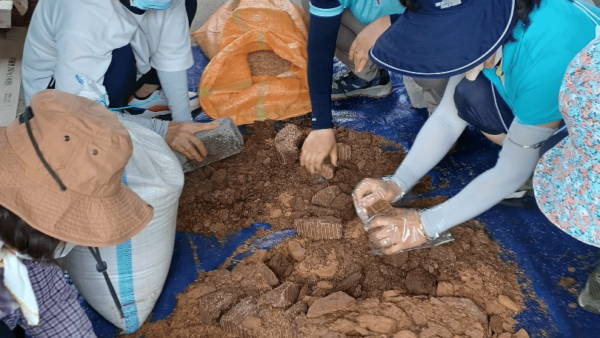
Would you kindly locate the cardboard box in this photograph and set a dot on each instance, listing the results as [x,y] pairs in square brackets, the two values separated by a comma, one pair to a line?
[11,53]
[6,7]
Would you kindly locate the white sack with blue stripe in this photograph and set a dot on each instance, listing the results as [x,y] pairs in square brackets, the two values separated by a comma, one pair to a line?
[138,267]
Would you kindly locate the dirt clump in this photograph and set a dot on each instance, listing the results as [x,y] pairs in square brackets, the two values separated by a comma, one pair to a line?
[266,62]
[254,186]
[338,289]
[327,283]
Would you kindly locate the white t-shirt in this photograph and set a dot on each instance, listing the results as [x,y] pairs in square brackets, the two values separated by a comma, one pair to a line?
[70,37]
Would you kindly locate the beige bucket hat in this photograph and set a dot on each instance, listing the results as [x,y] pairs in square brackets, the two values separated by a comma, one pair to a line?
[61,164]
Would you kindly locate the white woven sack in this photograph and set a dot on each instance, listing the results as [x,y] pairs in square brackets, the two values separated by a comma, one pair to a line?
[138,267]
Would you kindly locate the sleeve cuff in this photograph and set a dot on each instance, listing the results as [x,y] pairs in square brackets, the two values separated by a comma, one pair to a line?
[326,12]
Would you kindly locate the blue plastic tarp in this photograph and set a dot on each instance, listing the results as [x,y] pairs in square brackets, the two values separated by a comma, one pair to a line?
[541,251]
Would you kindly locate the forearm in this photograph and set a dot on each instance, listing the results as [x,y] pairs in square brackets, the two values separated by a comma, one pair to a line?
[322,36]
[174,85]
[516,163]
[433,141]
[158,126]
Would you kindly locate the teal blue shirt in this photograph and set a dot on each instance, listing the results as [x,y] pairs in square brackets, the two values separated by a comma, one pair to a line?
[535,63]
[366,11]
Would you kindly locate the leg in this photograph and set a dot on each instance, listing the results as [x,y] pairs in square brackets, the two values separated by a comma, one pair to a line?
[120,78]
[433,90]
[370,81]
[349,30]
[60,312]
[479,103]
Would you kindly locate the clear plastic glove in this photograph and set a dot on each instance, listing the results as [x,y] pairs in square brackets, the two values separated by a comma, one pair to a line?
[365,40]
[318,145]
[180,138]
[400,231]
[371,190]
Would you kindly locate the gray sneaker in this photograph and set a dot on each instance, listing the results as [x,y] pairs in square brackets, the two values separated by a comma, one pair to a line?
[349,85]
[589,298]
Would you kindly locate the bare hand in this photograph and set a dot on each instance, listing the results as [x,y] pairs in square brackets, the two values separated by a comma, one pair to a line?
[359,51]
[180,138]
[397,232]
[317,146]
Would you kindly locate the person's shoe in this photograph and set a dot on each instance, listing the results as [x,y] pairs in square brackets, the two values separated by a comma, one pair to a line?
[589,298]
[350,85]
[156,104]
[525,190]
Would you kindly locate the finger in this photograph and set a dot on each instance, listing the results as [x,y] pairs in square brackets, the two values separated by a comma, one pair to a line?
[186,154]
[353,49]
[381,222]
[372,198]
[358,61]
[199,146]
[310,163]
[380,239]
[314,164]
[303,155]
[378,234]
[362,62]
[394,249]
[363,188]
[194,153]
[333,155]
[318,162]
[205,126]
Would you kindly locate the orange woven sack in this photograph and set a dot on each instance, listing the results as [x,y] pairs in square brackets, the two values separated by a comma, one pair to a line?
[227,87]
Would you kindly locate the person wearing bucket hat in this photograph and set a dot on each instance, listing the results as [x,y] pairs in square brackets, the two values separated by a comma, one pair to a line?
[128,48]
[566,181]
[348,29]
[60,186]
[538,38]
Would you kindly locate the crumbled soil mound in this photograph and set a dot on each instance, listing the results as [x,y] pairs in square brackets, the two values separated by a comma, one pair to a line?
[254,186]
[335,288]
[325,282]
[266,62]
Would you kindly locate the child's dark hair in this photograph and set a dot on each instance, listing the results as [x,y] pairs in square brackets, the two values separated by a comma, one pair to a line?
[19,236]
[524,8]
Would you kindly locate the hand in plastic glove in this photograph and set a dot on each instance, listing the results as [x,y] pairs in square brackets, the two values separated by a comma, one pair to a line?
[359,51]
[371,190]
[397,232]
[180,138]
[315,149]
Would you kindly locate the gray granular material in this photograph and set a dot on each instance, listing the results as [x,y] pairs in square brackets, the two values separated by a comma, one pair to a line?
[220,143]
